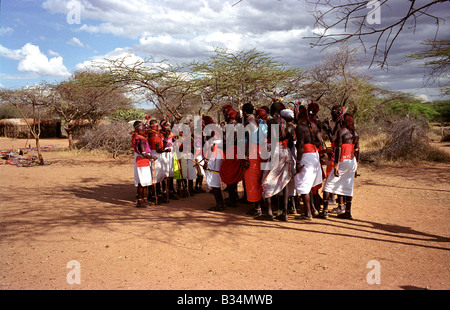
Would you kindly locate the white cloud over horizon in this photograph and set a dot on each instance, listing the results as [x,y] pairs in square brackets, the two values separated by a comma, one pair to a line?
[75,41]
[31,59]
[183,31]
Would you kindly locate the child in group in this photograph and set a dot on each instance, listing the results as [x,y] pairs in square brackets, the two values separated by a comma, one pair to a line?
[142,169]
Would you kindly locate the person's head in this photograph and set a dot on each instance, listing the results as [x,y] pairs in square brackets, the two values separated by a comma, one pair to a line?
[287,114]
[261,113]
[336,112]
[154,124]
[165,125]
[247,108]
[276,108]
[139,127]
[230,114]
[301,112]
[136,123]
[313,108]
[225,108]
[208,120]
[349,122]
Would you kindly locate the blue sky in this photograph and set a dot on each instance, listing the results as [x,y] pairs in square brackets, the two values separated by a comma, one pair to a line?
[43,41]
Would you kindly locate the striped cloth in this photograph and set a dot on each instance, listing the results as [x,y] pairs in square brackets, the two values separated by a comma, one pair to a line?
[283,171]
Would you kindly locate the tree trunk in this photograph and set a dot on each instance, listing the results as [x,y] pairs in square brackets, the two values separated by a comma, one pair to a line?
[70,137]
[39,154]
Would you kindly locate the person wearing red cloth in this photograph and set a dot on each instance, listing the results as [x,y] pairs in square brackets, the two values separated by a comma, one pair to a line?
[142,160]
[253,172]
[337,118]
[168,141]
[313,110]
[341,179]
[232,169]
[308,170]
[158,147]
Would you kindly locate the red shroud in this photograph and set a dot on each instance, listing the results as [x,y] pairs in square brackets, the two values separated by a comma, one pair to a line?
[232,170]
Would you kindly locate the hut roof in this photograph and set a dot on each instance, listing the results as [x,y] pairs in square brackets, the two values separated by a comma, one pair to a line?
[24,122]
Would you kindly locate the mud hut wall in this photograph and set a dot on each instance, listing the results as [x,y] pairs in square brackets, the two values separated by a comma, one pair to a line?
[18,129]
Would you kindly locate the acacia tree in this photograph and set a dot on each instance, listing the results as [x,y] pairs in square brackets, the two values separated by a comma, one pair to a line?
[437,56]
[88,96]
[336,80]
[31,102]
[165,85]
[244,76]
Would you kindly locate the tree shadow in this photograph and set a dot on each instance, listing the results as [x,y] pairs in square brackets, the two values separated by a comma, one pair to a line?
[413,288]
[102,206]
[438,174]
[372,183]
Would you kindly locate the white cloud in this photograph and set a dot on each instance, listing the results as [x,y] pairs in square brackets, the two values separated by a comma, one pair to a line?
[10,54]
[182,30]
[5,30]
[32,60]
[75,41]
[118,53]
[53,53]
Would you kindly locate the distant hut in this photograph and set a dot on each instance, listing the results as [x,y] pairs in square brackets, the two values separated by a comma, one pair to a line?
[17,128]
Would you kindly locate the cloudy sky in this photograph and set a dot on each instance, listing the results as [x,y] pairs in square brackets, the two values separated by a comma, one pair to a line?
[49,40]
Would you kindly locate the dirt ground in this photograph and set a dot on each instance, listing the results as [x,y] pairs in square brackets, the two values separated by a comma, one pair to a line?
[83,209]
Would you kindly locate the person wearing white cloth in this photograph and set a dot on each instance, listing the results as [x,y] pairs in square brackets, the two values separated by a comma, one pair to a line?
[289,116]
[308,170]
[213,162]
[158,151]
[142,162]
[341,179]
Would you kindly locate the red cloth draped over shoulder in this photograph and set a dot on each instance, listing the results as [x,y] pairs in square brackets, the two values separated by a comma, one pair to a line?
[232,169]
[155,140]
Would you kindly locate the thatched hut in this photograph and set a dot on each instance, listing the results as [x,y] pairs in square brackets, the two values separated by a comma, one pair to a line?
[17,128]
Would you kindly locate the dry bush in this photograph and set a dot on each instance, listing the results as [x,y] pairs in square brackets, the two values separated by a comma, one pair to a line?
[403,141]
[113,138]
[408,141]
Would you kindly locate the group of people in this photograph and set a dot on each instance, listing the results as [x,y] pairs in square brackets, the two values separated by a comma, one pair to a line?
[283,160]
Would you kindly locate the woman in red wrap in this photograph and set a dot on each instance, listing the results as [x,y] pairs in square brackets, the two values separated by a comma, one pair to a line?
[232,169]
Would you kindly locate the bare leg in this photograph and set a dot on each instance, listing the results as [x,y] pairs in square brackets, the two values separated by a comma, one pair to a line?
[324,213]
[141,192]
[283,216]
[348,206]
[269,215]
[306,201]
[219,200]
[256,210]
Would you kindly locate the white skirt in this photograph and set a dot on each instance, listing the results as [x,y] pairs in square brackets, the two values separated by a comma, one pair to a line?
[188,166]
[310,175]
[160,166]
[168,164]
[142,175]
[342,185]
[212,176]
